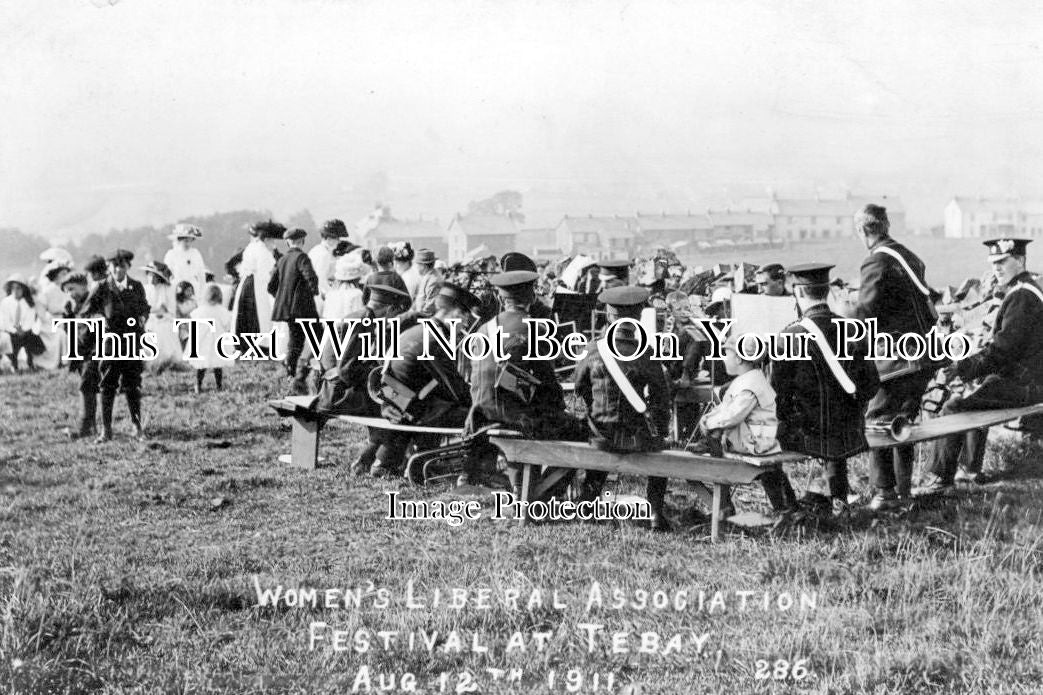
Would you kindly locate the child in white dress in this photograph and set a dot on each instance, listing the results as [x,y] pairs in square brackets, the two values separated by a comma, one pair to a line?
[212,308]
[745,421]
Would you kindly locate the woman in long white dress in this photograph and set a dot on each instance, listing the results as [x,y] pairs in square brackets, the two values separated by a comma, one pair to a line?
[51,302]
[252,308]
[184,259]
[163,304]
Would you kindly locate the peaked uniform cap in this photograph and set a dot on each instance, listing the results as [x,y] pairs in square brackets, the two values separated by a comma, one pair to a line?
[773,270]
[1002,248]
[810,273]
[425,256]
[513,260]
[459,296]
[625,296]
[514,278]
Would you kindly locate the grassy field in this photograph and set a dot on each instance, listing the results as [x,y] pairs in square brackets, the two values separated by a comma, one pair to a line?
[131,567]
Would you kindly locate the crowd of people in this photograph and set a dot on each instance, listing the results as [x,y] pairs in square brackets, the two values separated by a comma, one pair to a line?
[816,407]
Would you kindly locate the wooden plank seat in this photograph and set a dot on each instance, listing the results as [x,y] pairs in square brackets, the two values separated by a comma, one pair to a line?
[545,463]
[308,424]
[567,456]
[956,423]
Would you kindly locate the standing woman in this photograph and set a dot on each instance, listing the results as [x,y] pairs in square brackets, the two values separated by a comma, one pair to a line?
[51,302]
[161,297]
[184,259]
[252,308]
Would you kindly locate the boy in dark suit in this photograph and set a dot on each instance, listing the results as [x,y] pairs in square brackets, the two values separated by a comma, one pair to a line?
[120,300]
[622,418]
[821,402]
[294,285]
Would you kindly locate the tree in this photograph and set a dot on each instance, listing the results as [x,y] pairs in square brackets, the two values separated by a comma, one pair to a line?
[503,204]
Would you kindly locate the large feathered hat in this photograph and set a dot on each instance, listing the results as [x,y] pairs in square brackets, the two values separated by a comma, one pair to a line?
[268,229]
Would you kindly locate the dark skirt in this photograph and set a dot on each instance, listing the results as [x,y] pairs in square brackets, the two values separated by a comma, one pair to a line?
[246,318]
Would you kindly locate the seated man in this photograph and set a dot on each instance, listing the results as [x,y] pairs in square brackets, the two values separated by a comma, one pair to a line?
[523,394]
[771,280]
[821,402]
[425,392]
[344,386]
[1010,368]
[621,417]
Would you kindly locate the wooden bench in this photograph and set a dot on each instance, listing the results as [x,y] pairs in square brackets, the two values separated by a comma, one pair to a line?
[558,458]
[308,423]
[721,473]
[957,423]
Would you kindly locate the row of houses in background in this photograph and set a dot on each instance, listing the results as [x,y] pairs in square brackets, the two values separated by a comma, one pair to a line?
[755,222]
[979,217]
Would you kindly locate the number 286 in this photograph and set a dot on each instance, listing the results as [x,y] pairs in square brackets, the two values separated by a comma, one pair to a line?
[780,670]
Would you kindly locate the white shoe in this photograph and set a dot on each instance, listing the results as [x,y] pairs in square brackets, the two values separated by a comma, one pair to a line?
[885,501]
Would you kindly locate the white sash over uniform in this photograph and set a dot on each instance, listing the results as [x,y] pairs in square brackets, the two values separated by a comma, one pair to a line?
[831,358]
[616,372]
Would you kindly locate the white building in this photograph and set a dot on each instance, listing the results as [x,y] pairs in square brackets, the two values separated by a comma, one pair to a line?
[982,218]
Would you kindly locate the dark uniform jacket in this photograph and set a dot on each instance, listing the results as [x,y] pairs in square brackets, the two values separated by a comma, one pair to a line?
[447,403]
[546,409]
[816,416]
[1016,348]
[117,306]
[344,388]
[887,294]
[611,417]
[294,285]
[388,278]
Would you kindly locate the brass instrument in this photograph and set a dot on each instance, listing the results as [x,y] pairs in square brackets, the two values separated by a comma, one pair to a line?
[898,428]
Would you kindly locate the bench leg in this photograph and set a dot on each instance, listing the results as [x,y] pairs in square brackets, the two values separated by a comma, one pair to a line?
[526,492]
[304,442]
[715,512]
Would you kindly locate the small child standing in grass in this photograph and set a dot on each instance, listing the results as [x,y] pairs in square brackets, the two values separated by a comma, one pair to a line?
[214,310]
[745,422]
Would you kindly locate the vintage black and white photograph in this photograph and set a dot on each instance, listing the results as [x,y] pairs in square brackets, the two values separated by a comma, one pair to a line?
[513,346]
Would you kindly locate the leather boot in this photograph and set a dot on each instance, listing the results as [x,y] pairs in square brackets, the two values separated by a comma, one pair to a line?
[366,458]
[134,405]
[88,424]
[108,399]
[655,491]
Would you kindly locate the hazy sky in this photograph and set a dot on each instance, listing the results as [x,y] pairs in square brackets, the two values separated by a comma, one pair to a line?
[147,110]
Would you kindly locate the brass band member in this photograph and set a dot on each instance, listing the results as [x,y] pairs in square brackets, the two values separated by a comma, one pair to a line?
[821,402]
[893,291]
[621,417]
[1010,368]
